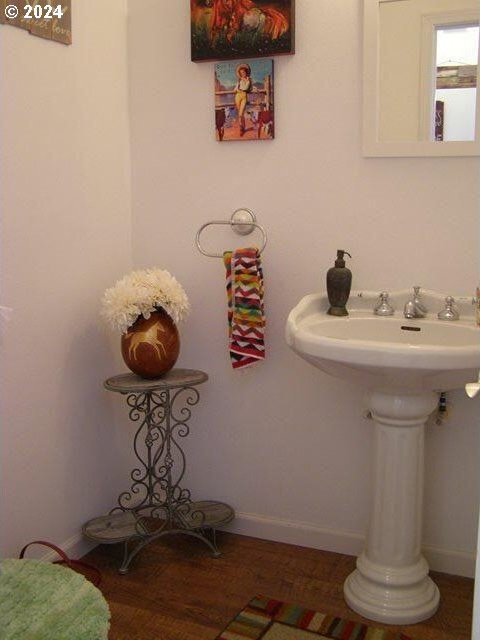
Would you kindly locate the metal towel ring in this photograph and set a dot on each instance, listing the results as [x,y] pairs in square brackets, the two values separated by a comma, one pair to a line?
[243,222]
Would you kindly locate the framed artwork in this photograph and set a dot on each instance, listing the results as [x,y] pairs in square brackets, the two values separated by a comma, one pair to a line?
[244,105]
[227,29]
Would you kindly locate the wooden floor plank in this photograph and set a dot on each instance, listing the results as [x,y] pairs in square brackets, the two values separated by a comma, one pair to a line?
[176,591]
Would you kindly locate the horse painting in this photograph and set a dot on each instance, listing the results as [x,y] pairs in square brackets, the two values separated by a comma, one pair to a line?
[223,29]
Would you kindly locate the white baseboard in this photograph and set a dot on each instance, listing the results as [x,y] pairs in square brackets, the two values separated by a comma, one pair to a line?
[458,563]
[306,534]
[75,547]
[303,534]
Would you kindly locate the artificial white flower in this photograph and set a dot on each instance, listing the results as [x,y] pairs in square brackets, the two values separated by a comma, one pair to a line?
[139,294]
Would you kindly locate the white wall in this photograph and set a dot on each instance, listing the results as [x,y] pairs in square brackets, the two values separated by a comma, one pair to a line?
[66,235]
[284,443]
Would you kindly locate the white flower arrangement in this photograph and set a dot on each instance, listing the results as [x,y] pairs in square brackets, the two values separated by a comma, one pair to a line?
[140,293]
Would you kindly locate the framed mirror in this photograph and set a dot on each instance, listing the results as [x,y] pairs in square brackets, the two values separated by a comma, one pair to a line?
[420,77]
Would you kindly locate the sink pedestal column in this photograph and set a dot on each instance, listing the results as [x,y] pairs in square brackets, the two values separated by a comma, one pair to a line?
[391,582]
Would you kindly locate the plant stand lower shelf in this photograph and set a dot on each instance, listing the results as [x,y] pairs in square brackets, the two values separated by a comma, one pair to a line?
[156,505]
[133,529]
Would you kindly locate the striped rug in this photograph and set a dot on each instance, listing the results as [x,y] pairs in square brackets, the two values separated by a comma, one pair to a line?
[275,620]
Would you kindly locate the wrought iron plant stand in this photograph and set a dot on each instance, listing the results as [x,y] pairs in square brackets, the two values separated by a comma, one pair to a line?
[156,505]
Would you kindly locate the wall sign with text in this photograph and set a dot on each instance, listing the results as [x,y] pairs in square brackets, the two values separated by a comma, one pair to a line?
[50,21]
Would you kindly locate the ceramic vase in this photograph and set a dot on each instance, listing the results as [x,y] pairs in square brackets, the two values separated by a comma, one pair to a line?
[151,347]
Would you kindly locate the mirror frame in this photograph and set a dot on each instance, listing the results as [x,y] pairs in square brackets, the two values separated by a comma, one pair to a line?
[372,146]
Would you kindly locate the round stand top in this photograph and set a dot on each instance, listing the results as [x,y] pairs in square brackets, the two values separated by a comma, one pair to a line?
[131,383]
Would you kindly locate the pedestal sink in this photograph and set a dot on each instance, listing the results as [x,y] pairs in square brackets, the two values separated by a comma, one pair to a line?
[403,364]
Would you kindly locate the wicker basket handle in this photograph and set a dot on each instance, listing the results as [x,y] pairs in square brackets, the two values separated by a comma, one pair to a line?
[57,550]
[75,565]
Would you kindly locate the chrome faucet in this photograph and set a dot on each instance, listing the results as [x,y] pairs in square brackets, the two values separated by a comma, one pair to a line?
[414,308]
[450,312]
[383,306]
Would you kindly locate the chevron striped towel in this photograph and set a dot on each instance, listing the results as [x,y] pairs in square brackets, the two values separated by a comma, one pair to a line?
[246,317]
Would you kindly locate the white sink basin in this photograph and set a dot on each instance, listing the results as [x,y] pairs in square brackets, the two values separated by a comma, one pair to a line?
[402,363]
[385,353]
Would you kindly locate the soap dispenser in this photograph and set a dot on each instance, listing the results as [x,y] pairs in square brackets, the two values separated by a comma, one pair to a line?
[339,282]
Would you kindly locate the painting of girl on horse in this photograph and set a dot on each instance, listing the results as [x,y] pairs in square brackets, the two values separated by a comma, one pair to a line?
[224,29]
[244,105]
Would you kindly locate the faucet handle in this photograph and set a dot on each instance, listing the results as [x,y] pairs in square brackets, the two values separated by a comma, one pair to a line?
[450,312]
[418,301]
[383,307]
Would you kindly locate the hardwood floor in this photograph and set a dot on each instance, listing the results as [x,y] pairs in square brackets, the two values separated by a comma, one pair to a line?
[176,591]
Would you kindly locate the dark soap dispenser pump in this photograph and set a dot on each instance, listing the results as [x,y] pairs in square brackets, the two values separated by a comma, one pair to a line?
[339,283]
